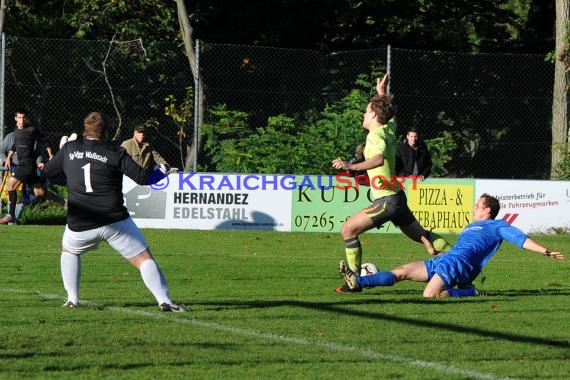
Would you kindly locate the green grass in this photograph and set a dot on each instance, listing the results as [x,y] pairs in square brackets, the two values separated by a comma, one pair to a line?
[262,306]
[46,213]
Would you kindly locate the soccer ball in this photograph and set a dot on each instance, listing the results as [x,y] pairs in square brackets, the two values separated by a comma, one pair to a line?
[367,269]
[439,243]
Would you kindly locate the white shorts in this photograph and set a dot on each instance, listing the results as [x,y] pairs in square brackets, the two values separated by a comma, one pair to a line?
[123,236]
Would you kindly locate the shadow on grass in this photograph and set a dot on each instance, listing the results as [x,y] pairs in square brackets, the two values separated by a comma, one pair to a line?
[340,308]
[528,292]
[506,293]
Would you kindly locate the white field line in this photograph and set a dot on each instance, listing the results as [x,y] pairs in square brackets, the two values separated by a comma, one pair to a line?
[333,346]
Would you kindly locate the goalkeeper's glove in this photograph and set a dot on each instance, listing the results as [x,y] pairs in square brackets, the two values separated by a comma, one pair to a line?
[162,168]
[65,139]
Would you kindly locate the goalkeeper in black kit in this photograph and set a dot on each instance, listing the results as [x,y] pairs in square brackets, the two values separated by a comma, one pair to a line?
[94,169]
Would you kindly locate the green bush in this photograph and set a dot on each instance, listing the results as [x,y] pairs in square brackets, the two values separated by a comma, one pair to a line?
[285,145]
[441,149]
[302,144]
[47,213]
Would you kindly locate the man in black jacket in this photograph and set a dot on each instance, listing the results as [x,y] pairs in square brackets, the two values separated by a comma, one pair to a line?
[412,156]
[26,137]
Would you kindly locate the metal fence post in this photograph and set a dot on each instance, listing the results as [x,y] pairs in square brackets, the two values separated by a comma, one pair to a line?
[196,107]
[2,58]
[389,64]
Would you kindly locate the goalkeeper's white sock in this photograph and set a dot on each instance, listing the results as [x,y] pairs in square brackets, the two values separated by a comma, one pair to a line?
[71,273]
[155,281]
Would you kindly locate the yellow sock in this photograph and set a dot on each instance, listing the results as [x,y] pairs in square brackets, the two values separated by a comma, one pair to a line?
[354,258]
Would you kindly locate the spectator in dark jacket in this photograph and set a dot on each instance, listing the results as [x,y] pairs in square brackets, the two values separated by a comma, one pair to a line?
[358,158]
[412,156]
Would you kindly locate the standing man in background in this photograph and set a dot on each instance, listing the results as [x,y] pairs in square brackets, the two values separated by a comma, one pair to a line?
[25,139]
[412,156]
[140,149]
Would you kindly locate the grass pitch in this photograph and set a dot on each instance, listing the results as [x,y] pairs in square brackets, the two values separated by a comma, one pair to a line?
[262,306]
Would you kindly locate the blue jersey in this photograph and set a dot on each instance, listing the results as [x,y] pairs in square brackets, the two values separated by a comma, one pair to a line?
[480,240]
[477,243]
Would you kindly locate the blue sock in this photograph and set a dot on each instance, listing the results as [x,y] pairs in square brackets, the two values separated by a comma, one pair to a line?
[378,279]
[466,292]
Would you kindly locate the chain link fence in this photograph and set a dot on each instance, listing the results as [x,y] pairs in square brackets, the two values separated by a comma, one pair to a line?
[495,107]
[60,81]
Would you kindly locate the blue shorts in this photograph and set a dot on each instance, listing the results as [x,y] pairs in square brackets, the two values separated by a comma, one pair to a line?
[451,270]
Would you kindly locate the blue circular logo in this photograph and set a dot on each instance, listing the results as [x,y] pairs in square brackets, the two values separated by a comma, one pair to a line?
[158,180]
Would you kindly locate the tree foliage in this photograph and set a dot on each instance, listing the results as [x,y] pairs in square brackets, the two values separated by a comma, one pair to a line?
[285,145]
[153,20]
[303,144]
[329,25]
[480,25]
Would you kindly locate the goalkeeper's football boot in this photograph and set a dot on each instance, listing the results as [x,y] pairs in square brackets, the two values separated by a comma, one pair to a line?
[171,307]
[70,305]
[349,276]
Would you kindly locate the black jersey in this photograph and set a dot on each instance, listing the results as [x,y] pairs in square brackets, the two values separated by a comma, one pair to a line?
[25,140]
[94,171]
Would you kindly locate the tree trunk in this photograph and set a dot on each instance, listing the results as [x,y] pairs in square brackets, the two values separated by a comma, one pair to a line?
[560,94]
[186,30]
[2,14]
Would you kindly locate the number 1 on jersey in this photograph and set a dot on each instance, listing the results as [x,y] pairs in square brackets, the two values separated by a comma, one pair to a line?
[87,178]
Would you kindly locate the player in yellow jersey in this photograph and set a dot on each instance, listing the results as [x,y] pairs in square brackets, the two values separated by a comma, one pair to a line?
[390,202]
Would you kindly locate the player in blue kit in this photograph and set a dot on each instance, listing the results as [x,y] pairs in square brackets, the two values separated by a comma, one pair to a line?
[451,274]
